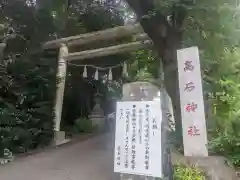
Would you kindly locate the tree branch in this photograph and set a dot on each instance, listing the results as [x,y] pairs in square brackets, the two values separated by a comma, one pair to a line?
[154,23]
[179,14]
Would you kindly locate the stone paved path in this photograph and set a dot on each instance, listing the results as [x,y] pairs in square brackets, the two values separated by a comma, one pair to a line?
[86,160]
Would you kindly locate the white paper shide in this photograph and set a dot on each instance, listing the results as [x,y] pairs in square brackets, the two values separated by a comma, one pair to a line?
[138,138]
[192,105]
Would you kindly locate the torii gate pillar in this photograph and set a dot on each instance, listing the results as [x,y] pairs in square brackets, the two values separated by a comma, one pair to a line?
[59,137]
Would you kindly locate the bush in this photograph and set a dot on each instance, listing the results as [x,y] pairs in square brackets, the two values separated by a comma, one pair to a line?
[26,105]
[182,172]
[84,125]
[224,134]
[226,141]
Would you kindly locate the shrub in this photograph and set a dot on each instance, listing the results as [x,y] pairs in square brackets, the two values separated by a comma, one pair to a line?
[26,105]
[84,125]
[226,141]
[224,134]
[182,172]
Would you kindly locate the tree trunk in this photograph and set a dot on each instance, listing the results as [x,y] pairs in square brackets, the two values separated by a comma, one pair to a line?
[171,85]
[166,36]
[170,68]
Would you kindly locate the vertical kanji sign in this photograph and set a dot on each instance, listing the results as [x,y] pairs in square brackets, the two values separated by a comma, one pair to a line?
[138,148]
[192,105]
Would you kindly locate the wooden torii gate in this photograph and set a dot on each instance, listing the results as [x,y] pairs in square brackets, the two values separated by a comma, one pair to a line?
[139,41]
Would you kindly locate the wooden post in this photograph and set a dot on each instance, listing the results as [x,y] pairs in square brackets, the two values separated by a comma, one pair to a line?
[61,77]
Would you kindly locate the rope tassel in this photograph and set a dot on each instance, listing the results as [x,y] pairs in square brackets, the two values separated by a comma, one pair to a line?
[85,72]
[96,75]
[110,77]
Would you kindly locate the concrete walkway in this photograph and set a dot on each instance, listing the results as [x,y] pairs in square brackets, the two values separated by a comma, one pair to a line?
[87,160]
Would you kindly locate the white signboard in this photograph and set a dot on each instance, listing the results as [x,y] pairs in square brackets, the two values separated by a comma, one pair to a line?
[138,138]
[192,105]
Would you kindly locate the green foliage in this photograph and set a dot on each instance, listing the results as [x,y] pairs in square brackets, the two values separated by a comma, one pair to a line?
[226,141]
[26,106]
[182,172]
[28,86]
[143,65]
[224,135]
[223,89]
[112,89]
[213,26]
[84,125]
